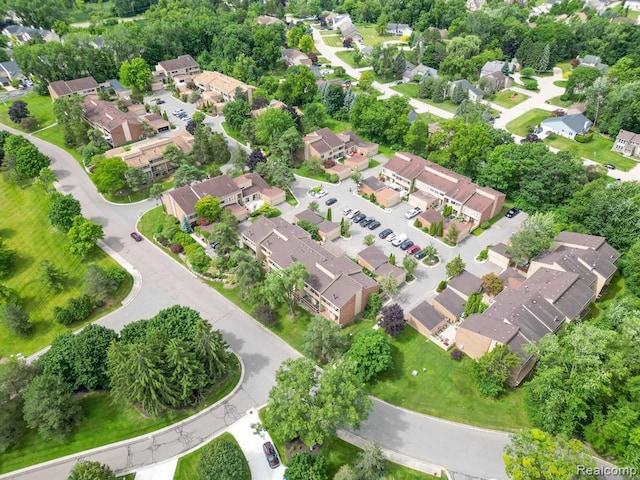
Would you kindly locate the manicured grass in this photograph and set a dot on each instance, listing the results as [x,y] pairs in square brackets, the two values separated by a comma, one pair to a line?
[370,35]
[237,136]
[615,290]
[87,10]
[337,126]
[303,171]
[561,83]
[40,108]
[508,98]
[386,151]
[142,194]
[54,135]
[347,57]
[598,150]
[560,103]
[532,118]
[443,387]
[25,228]
[105,422]
[412,90]
[188,466]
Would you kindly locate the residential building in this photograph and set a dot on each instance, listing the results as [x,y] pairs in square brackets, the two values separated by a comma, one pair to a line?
[267,20]
[183,65]
[19,34]
[326,145]
[336,287]
[403,169]
[240,195]
[627,143]
[474,94]
[376,262]
[465,284]
[418,72]
[496,81]
[219,88]
[10,71]
[357,162]
[495,66]
[65,88]
[120,90]
[559,287]
[594,61]
[449,304]
[327,230]
[567,126]
[294,57]
[148,155]
[427,320]
[399,29]
[384,195]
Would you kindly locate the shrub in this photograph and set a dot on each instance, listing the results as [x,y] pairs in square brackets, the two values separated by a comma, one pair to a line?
[485,225]
[441,286]
[529,83]
[584,138]
[564,97]
[223,459]
[202,221]
[456,354]
[483,255]
[183,239]
[176,248]
[162,241]
[333,178]
[265,314]
[76,310]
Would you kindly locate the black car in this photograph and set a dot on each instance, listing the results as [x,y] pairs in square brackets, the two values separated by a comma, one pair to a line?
[331,201]
[385,233]
[367,221]
[406,244]
[270,452]
[512,212]
[160,102]
[358,218]
[373,225]
[609,166]
[420,255]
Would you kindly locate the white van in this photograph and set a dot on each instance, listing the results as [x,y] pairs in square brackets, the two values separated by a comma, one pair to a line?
[399,239]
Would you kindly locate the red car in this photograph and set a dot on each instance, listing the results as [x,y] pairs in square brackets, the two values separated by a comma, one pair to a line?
[412,250]
[136,236]
[270,453]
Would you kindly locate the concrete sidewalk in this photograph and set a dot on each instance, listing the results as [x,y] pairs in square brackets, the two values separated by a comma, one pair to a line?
[160,471]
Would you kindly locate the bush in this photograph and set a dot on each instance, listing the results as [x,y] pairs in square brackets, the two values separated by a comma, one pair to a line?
[441,286]
[267,210]
[222,459]
[183,239]
[334,178]
[565,97]
[483,255]
[176,248]
[485,225]
[456,354]
[76,310]
[584,138]
[529,83]
[162,241]
[265,314]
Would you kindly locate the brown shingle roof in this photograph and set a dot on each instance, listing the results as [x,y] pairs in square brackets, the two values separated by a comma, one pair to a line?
[374,183]
[373,256]
[217,187]
[450,301]
[68,87]
[323,140]
[183,61]
[406,165]
[488,327]
[466,283]
[427,316]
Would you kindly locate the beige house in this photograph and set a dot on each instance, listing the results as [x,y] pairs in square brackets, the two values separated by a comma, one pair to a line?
[336,287]
[449,304]
[326,145]
[65,88]
[627,143]
[374,260]
[148,155]
[327,230]
[294,57]
[385,196]
[498,255]
[465,284]
[219,88]
[356,162]
[183,65]
[427,321]
[239,195]
[267,20]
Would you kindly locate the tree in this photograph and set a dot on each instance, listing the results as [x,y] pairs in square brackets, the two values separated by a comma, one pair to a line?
[109,175]
[51,278]
[545,58]
[198,117]
[370,463]
[136,74]
[276,172]
[69,115]
[62,210]
[226,235]
[136,179]
[15,376]
[388,284]
[306,466]
[323,340]
[89,357]
[86,470]
[293,279]
[50,407]
[223,459]
[29,161]
[534,237]
[18,110]
[311,405]
[299,86]
[270,125]
[580,80]
[492,284]
[345,473]
[185,225]
[236,113]
[491,372]
[366,79]
[255,157]
[356,176]
[208,208]
[46,177]
[186,174]
[392,320]
[458,95]
[98,284]
[83,236]
[455,267]
[306,43]
[536,455]
[15,319]
[289,141]
[409,264]
[314,117]
[369,240]
[7,257]
[248,275]
[416,138]
[370,351]
[313,206]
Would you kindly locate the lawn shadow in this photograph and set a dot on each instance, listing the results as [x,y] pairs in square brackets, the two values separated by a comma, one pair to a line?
[21,263]
[7,233]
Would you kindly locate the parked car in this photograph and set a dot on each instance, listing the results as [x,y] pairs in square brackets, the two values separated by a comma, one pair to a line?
[385,233]
[512,212]
[136,236]
[321,193]
[399,239]
[367,221]
[412,213]
[331,201]
[406,244]
[373,225]
[391,237]
[353,214]
[413,249]
[359,217]
[214,245]
[347,211]
[420,255]
[160,101]
[271,454]
[609,166]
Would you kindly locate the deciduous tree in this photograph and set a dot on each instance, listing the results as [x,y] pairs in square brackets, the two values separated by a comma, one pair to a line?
[534,237]
[388,284]
[62,210]
[324,340]
[83,236]
[392,320]
[492,284]
[371,353]
[86,470]
[370,463]
[271,124]
[208,208]
[109,175]
[455,267]
[136,74]
[409,264]
[186,174]
[306,466]
[491,371]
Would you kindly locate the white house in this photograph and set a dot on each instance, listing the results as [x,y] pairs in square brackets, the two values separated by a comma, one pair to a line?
[567,126]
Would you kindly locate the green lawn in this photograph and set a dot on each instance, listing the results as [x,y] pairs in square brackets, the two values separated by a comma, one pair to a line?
[412,89]
[54,135]
[233,133]
[25,228]
[188,466]
[560,103]
[532,118]
[616,289]
[104,422]
[443,387]
[41,108]
[598,150]
[83,12]
[347,57]
[561,83]
[508,98]
[371,37]
[337,126]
